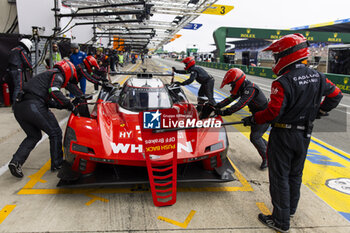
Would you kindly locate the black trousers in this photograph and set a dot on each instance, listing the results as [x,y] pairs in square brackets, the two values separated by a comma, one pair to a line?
[34,116]
[207,90]
[257,131]
[286,153]
[17,81]
[112,63]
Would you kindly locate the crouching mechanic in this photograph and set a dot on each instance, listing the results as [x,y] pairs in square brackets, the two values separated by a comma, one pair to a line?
[250,95]
[201,76]
[295,103]
[33,115]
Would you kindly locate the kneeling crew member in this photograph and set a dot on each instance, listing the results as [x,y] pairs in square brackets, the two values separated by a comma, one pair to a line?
[295,103]
[202,77]
[250,95]
[32,113]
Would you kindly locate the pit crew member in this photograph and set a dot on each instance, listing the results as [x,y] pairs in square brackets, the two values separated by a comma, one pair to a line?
[33,115]
[206,89]
[296,100]
[250,95]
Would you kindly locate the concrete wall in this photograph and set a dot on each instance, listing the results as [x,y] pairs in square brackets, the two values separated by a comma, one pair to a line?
[8,12]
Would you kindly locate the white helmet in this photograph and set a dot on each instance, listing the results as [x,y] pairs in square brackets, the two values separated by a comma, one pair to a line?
[27,43]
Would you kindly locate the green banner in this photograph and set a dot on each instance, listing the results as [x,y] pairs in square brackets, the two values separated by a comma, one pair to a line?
[272,34]
[342,81]
[221,33]
[191,51]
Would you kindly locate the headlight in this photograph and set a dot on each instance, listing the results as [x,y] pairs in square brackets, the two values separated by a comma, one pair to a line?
[223,136]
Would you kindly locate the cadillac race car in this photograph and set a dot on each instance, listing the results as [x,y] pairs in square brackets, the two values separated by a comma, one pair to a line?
[106,146]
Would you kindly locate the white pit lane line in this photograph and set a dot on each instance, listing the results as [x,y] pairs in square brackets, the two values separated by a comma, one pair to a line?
[4,168]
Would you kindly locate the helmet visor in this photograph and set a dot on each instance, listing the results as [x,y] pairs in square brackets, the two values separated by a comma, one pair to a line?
[275,57]
[233,85]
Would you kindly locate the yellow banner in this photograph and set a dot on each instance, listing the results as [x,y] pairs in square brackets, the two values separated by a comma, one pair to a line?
[218,9]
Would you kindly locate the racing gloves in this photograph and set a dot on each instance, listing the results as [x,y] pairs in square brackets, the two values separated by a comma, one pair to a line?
[221,112]
[74,106]
[249,121]
[321,114]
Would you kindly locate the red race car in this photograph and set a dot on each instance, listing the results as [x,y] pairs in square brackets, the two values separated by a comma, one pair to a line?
[107,146]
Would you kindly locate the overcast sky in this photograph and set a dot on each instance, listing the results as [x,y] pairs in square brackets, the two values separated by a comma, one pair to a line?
[274,14]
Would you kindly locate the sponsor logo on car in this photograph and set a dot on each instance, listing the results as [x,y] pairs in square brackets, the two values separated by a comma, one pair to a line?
[125,148]
[151,120]
[155,120]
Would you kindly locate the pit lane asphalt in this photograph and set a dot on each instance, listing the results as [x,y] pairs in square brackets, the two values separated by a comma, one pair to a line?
[34,204]
[334,130]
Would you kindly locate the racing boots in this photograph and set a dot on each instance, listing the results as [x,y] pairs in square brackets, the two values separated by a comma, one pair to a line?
[16,169]
[270,222]
[55,166]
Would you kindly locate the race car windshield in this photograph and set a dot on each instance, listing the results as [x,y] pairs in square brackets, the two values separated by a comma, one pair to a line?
[140,99]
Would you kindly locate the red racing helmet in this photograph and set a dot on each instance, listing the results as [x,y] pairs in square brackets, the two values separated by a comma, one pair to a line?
[235,77]
[189,62]
[68,70]
[90,62]
[288,50]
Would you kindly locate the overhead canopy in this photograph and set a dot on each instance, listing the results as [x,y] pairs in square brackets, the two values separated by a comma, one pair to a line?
[134,24]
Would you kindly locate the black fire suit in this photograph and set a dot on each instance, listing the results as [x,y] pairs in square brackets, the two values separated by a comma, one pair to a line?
[295,102]
[249,95]
[83,73]
[19,60]
[33,115]
[202,77]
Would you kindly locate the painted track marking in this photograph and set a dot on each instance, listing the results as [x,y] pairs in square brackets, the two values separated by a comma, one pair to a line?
[179,224]
[5,212]
[95,198]
[263,208]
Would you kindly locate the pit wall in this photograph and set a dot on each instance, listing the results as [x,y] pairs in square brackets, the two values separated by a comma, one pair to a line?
[342,81]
